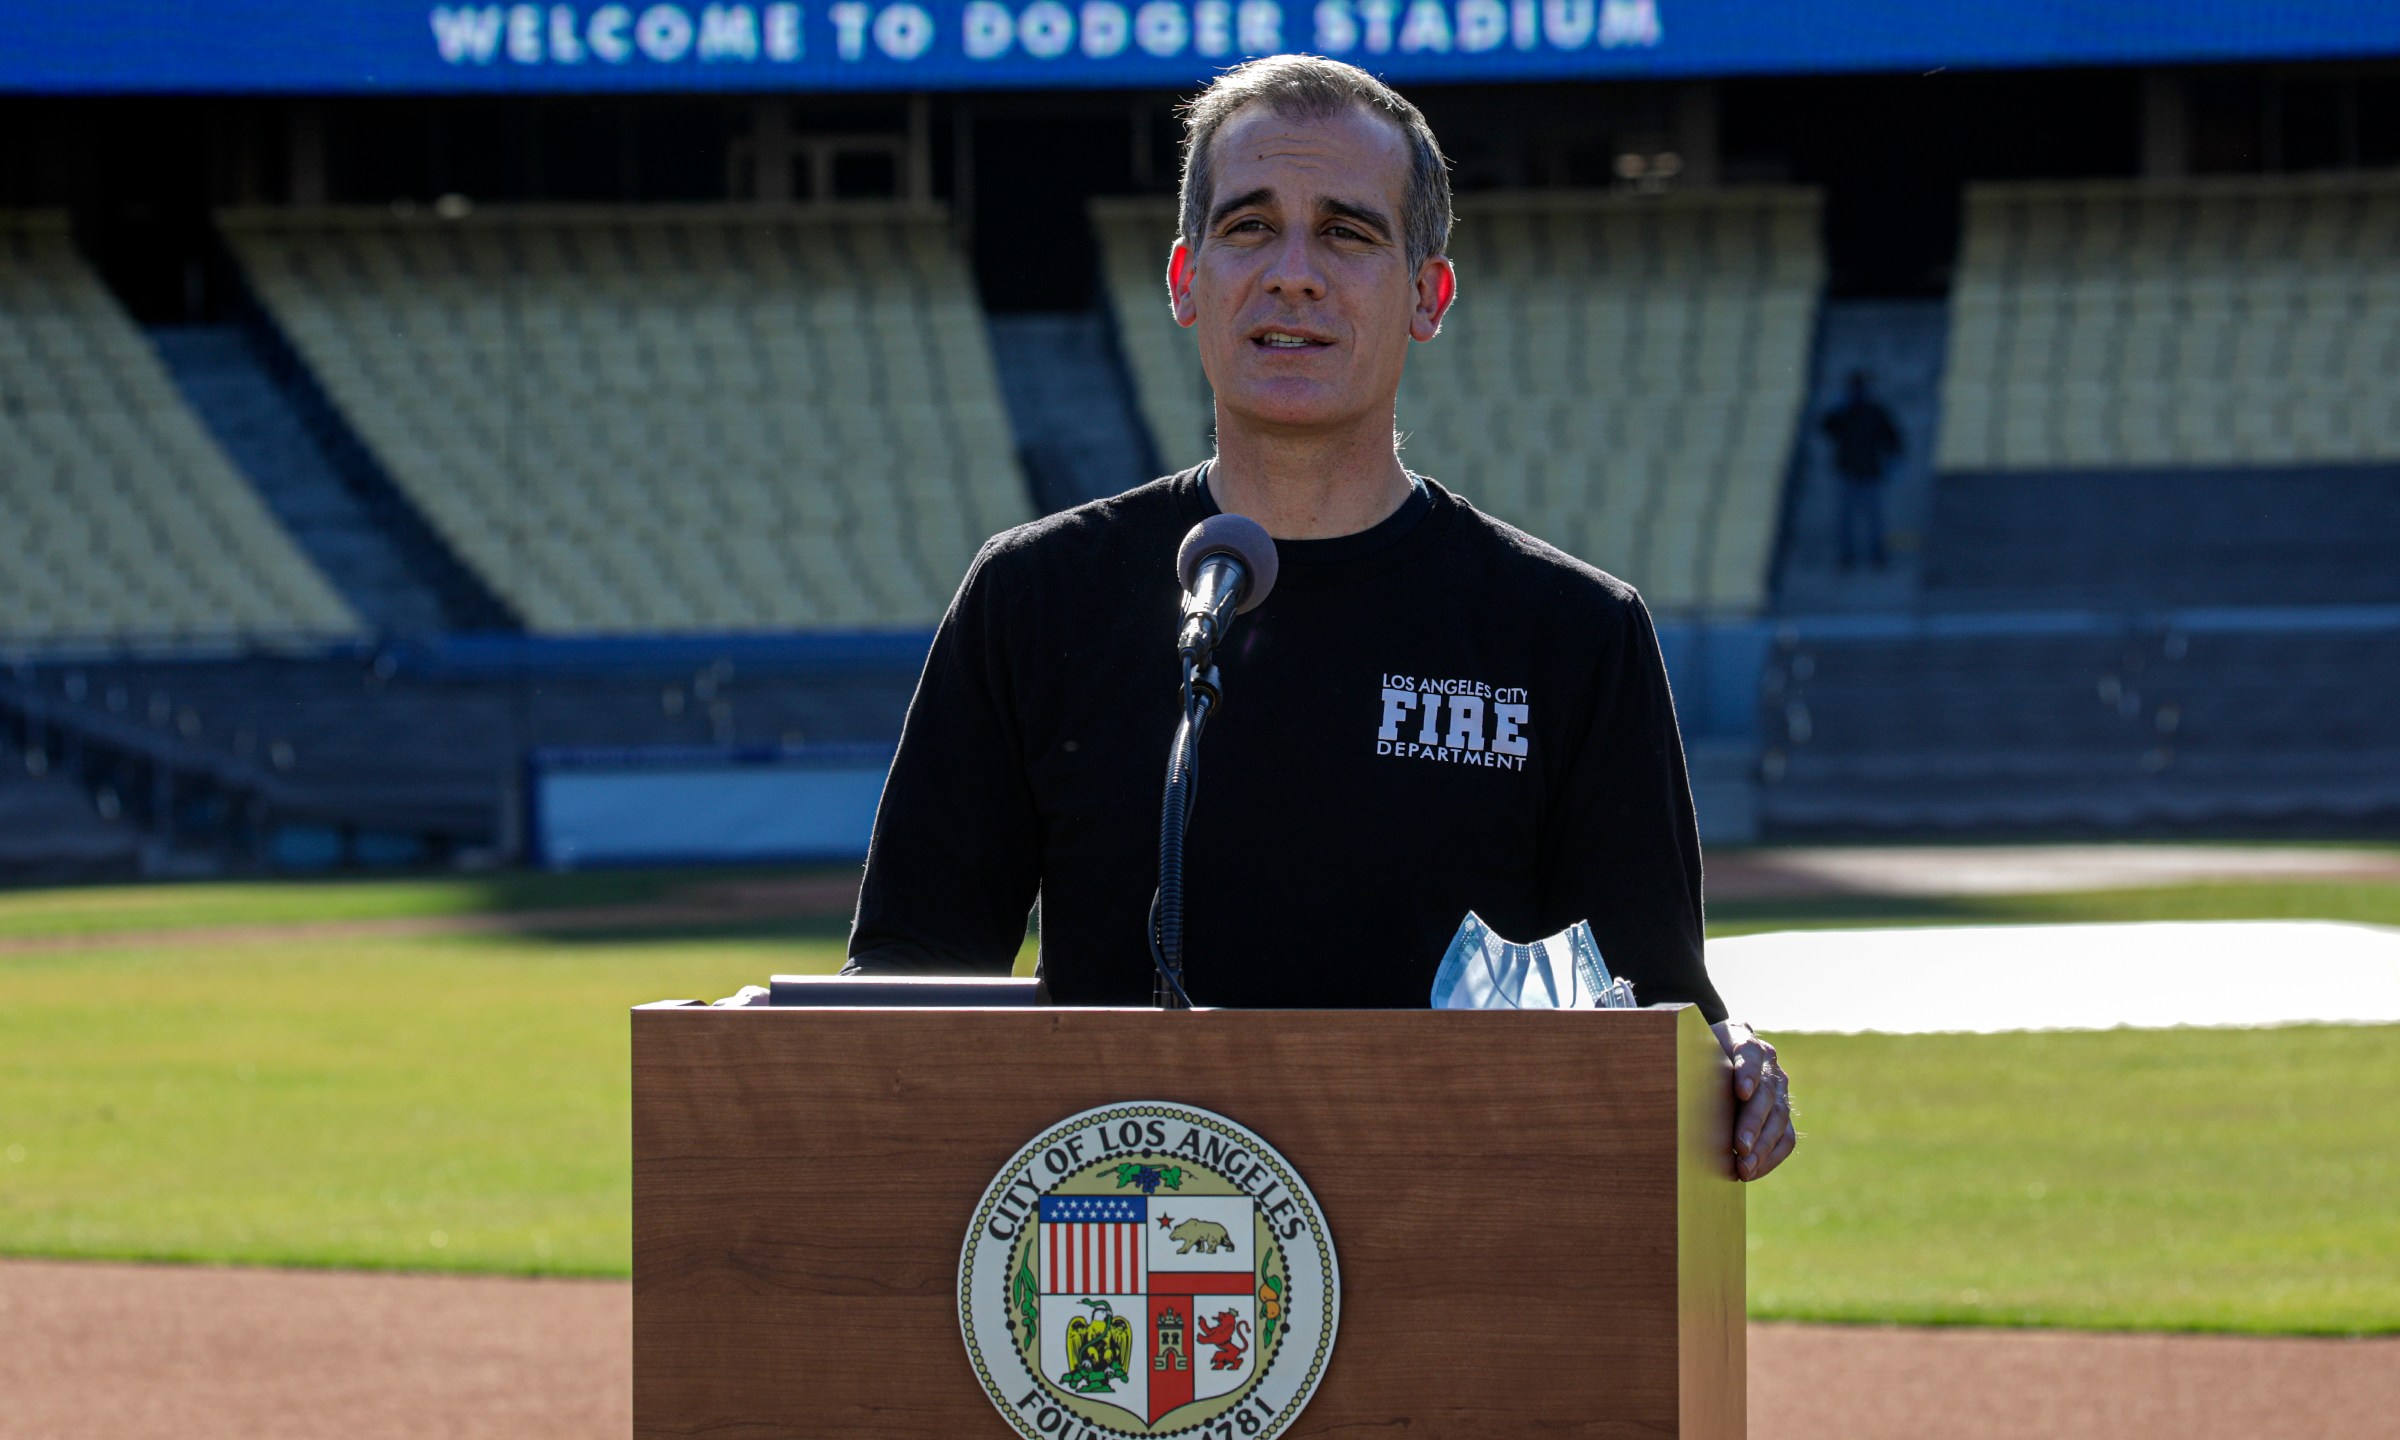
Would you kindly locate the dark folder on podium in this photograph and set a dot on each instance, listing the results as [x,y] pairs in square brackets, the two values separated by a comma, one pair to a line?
[1536,1223]
[903,991]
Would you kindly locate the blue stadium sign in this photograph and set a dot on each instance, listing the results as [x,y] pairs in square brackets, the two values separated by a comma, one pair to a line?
[400,46]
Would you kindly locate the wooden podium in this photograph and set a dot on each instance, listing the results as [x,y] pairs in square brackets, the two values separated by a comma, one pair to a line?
[1535,1216]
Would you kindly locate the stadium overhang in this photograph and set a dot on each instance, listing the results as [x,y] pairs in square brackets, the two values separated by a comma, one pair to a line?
[587,46]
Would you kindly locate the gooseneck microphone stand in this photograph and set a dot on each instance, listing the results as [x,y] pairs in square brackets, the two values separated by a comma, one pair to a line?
[1201,692]
[1227,565]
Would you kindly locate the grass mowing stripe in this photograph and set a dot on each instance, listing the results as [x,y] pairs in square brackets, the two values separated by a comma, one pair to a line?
[108,909]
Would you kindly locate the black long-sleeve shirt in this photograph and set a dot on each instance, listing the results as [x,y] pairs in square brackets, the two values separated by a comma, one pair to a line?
[1436,715]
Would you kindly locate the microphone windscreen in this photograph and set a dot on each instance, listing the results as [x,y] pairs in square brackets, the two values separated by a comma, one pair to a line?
[1240,537]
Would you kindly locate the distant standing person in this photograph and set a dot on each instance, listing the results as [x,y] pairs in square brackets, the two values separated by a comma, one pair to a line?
[1866,440]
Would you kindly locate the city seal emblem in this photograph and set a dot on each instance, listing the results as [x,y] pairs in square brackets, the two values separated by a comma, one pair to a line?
[1148,1269]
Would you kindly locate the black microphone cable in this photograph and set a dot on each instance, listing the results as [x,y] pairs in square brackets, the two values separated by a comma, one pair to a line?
[1200,695]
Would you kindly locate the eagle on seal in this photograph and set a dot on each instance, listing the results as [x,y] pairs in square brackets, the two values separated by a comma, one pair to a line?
[1098,1346]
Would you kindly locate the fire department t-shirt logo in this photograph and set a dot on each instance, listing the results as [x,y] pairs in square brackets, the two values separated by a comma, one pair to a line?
[1455,722]
[1148,1269]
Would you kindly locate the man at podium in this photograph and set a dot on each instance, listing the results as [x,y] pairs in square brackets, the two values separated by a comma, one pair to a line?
[1435,713]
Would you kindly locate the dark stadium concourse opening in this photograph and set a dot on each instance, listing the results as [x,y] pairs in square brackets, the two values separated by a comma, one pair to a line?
[2251,120]
[1029,165]
[140,176]
[1627,136]
[1030,168]
[1894,154]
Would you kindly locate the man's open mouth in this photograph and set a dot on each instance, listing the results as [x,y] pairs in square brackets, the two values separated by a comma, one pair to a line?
[1288,340]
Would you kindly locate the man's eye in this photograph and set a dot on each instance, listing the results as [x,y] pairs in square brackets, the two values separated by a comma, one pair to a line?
[1251,222]
[1344,232]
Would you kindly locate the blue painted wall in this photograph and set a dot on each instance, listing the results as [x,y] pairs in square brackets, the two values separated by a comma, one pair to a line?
[665,808]
[331,46]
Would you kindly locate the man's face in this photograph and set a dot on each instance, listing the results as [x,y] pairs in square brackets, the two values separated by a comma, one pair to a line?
[1301,291]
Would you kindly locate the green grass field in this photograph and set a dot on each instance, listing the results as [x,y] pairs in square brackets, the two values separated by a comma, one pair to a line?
[2130,1179]
[458,1102]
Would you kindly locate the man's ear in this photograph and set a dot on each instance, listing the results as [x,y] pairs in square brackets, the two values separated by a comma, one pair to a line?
[1179,285]
[1437,286]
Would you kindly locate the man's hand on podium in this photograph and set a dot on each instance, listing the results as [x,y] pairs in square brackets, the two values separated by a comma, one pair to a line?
[1762,1130]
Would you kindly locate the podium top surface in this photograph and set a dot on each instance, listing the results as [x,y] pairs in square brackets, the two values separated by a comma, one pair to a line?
[903,996]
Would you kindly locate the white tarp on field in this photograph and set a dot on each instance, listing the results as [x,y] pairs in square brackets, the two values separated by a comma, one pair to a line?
[2061,977]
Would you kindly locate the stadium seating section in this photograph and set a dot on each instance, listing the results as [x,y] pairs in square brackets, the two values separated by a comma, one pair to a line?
[125,522]
[2204,322]
[2129,541]
[51,831]
[2147,579]
[2089,727]
[664,420]
[1621,375]
[349,738]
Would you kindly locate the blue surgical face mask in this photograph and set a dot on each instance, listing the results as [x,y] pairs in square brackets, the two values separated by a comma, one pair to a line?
[1483,971]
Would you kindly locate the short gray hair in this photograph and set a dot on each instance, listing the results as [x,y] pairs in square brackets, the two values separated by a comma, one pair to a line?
[1310,87]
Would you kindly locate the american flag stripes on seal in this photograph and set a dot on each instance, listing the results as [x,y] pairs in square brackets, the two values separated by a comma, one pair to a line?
[1092,1244]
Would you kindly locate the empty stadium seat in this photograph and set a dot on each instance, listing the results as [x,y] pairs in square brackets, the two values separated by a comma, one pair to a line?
[680,420]
[125,521]
[2219,321]
[1621,375]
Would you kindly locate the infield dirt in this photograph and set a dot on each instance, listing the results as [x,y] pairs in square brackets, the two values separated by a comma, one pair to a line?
[136,1352]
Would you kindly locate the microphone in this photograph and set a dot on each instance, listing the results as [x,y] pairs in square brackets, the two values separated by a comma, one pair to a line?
[1227,565]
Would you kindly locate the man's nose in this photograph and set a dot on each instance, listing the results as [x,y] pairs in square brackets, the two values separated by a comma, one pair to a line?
[1292,271]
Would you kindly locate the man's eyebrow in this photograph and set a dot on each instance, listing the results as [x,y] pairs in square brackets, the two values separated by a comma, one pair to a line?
[1244,201]
[1365,214]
